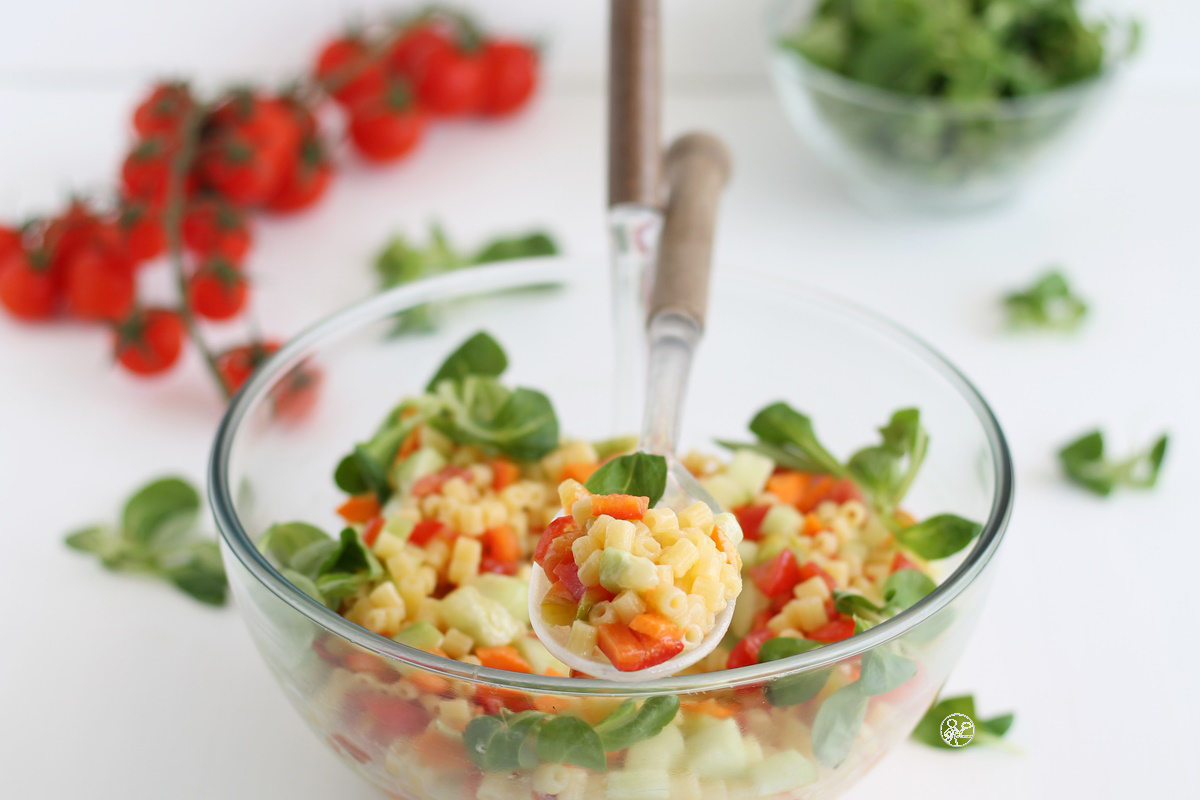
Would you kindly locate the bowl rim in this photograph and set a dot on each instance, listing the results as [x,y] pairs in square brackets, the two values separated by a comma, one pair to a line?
[801,68]
[556,271]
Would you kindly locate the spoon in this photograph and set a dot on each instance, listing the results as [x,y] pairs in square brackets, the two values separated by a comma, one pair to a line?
[696,167]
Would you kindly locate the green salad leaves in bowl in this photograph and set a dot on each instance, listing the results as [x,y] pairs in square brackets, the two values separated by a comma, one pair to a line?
[942,104]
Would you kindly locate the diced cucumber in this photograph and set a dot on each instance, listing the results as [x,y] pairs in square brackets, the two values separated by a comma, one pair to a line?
[539,657]
[482,618]
[664,751]
[421,635]
[748,550]
[507,590]
[717,751]
[749,603]
[433,438]
[780,772]
[399,525]
[614,447]
[639,784]
[772,546]
[726,491]
[425,461]
[750,470]
[782,520]
[727,524]
[620,570]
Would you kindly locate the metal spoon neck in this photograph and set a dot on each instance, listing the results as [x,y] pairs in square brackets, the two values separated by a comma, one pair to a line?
[671,339]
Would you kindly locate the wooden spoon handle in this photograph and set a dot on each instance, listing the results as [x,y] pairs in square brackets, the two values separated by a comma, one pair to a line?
[634,151]
[697,167]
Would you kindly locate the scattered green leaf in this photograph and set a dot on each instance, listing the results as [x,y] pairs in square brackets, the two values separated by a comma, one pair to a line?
[1049,303]
[478,355]
[570,740]
[837,724]
[629,724]
[905,588]
[989,731]
[1084,463]
[794,689]
[638,474]
[938,536]
[782,426]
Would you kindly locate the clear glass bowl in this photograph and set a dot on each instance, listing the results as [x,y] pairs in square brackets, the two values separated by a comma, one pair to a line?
[895,150]
[371,698]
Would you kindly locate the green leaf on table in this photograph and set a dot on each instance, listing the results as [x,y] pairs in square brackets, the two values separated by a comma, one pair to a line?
[159,512]
[93,539]
[478,355]
[783,426]
[837,724]
[793,689]
[1049,303]
[639,474]
[938,536]
[1084,463]
[883,671]
[987,731]
[201,575]
[629,724]
[506,248]
[570,740]
[905,588]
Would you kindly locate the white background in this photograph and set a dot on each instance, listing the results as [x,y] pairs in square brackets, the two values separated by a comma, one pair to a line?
[118,688]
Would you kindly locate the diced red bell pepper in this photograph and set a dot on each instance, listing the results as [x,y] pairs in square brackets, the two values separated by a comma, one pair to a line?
[750,519]
[778,575]
[835,631]
[659,650]
[745,653]
[622,646]
[568,574]
[493,700]
[557,527]
[901,561]
[432,484]
[368,664]
[504,473]
[489,564]
[371,532]
[810,570]
[388,716]
[424,531]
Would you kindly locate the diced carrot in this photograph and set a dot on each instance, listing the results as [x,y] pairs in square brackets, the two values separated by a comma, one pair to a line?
[789,486]
[655,626]
[359,508]
[549,704]
[437,750]
[369,664]
[504,657]
[493,699]
[501,543]
[552,673]
[620,506]
[821,488]
[709,706]
[580,471]
[812,525]
[622,646]
[410,445]
[430,684]
[504,473]
[371,532]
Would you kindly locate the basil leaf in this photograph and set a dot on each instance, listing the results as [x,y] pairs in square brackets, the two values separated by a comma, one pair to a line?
[854,604]
[638,474]
[876,470]
[355,557]
[929,729]
[95,539]
[333,586]
[478,355]
[793,689]
[570,740]
[478,410]
[905,588]
[284,541]
[781,425]
[494,743]
[366,467]
[783,456]
[1084,463]
[998,726]
[837,724]
[317,558]
[887,470]
[160,512]
[620,730]
[202,575]
[1049,303]
[939,536]
[530,245]
[883,671]
[303,583]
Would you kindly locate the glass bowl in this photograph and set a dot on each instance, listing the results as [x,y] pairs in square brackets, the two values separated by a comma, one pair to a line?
[372,699]
[896,150]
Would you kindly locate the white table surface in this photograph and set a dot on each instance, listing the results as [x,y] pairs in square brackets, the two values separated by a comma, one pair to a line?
[119,688]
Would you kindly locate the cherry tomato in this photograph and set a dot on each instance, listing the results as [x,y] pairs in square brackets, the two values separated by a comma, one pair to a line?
[349,71]
[237,169]
[510,73]
[217,290]
[777,576]
[72,230]
[99,285]
[387,128]
[452,83]
[146,173]
[841,627]
[305,180]
[163,111]
[27,287]
[213,227]
[150,341]
[296,394]
[142,233]
[745,652]
[10,242]
[267,123]
[237,364]
[409,55]
[750,519]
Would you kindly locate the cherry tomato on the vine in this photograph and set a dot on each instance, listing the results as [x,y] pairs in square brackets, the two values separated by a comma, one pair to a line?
[146,173]
[238,169]
[163,111]
[27,287]
[10,242]
[149,341]
[388,127]
[306,179]
[510,73]
[237,364]
[99,284]
[217,290]
[142,232]
[349,70]
[452,83]
[75,228]
[410,53]
[213,227]
[267,123]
